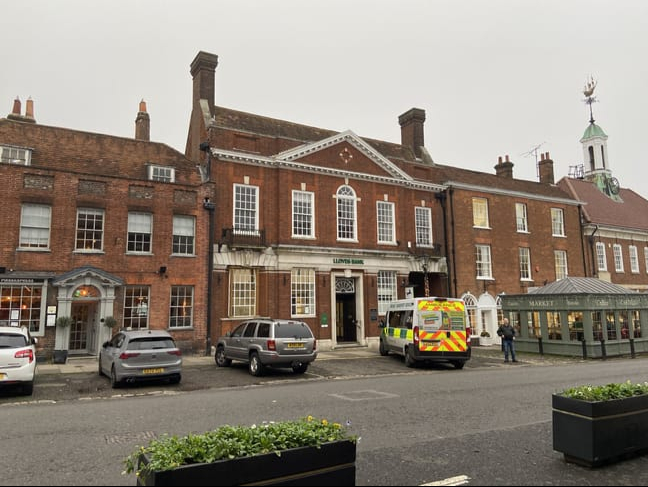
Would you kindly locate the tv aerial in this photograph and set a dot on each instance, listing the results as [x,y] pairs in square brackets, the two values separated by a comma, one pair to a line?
[534,152]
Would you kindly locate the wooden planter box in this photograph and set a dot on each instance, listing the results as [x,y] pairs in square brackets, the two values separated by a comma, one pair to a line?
[597,433]
[332,464]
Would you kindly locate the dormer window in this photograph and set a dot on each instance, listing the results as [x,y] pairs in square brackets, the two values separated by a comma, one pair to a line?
[15,155]
[164,174]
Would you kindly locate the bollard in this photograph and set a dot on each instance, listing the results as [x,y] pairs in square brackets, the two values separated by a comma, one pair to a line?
[632,350]
[603,355]
[584,349]
[540,350]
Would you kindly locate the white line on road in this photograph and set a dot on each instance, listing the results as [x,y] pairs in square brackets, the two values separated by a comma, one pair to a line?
[458,480]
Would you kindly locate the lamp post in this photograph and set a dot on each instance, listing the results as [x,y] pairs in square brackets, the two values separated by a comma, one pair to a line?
[426,282]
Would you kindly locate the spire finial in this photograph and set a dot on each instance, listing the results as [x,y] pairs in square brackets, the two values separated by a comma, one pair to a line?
[588,91]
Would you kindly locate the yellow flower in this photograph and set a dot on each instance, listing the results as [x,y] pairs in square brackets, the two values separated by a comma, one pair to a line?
[324,422]
[309,418]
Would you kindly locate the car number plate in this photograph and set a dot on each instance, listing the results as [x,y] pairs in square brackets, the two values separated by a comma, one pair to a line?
[3,376]
[152,371]
[295,345]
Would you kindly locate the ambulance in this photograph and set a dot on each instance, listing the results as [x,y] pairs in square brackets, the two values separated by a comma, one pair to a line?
[427,329]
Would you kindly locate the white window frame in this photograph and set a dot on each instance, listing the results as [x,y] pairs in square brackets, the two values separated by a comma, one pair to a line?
[242,293]
[634,259]
[387,289]
[483,262]
[35,227]
[162,174]
[184,235]
[302,293]
[10,154]
[423,224]
[137,301]
[618,258]
[524,254]
[303,214]
[246,209]
[181,306]
[521,221]
[347,214]
[480,213]
[560,264]
[25,305]
[89,233]
[601,257]
[386,226]
[557,222]
[139,226]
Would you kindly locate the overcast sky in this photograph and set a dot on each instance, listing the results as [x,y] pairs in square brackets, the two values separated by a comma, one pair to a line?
[494,77]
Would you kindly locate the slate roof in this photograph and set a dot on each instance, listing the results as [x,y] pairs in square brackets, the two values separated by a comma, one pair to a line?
[631,212]
[581,285]
[402,155]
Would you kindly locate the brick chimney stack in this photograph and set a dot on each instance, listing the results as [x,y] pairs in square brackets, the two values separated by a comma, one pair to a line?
[412,135]
[143,123]
[203,72]
[15,111]
[504,168]
[546,169]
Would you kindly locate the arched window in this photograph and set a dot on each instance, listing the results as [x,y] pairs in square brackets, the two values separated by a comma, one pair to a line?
[471,310]
[346,214]
[591,158]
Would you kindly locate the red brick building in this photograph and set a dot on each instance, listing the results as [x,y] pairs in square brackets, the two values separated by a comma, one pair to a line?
[329,227]
[94,226]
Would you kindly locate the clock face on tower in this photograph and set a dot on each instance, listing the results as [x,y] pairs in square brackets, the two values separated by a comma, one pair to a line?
[613,185]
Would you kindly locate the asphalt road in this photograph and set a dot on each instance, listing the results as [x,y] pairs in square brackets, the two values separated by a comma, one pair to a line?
[70,386]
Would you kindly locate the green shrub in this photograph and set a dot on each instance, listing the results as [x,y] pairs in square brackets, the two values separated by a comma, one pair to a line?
[228,442]
[64,321]
[607,392]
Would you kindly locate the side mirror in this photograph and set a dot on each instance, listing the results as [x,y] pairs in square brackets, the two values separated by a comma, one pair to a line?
[228,334]
[34,340]
[381,324]
[105,344]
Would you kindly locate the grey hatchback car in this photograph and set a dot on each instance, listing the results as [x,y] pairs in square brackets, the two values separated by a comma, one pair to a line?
[264,342]
[135,355]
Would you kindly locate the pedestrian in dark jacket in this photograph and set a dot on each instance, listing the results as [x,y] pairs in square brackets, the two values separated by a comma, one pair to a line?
[507,333]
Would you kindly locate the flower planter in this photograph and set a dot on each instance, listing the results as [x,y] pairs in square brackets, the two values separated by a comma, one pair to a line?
[332,464]
[597,433]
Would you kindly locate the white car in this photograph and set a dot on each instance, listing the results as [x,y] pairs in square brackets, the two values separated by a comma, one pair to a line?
[17,358]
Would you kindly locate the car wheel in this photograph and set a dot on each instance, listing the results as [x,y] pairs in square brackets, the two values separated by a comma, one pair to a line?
[175,379]
[221,359]
[113,379]
[383,349]
[255,366]
[300,369]
[28,388]
[409,360]
[459,364]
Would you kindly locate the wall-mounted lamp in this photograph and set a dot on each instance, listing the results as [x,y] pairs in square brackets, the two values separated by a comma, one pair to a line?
[162,271]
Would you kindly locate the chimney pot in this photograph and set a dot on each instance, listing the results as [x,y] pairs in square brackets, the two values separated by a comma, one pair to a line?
[142,106]
[16,107]
[499,160]
[507,158]
[29,109]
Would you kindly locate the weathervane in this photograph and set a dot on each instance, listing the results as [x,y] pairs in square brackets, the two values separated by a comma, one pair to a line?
[588,91]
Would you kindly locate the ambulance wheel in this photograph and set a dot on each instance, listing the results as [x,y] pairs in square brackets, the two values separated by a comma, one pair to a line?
[382,349]
[459,364]
[409,360]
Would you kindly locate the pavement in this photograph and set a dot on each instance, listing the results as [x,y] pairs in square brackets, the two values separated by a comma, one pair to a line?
[89,364]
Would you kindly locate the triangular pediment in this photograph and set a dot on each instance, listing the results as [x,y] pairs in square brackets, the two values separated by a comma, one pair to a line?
[345,152]
[86,274]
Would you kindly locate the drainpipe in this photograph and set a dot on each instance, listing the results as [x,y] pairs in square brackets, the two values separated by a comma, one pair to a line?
[452,226]
[442,197]
[593,251]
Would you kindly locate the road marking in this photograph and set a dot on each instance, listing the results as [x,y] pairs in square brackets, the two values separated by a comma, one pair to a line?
[459,480]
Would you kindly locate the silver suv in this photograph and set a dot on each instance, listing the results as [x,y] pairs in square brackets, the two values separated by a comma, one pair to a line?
[264,342]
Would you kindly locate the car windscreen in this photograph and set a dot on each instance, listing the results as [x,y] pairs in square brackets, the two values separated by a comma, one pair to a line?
[12,340]
[292,330]
[150,343]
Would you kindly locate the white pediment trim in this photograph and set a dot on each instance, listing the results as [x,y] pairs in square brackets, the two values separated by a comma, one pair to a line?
[351,138]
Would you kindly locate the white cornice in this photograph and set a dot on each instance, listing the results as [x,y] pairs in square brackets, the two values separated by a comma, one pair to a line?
[507,192]
[258,160]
